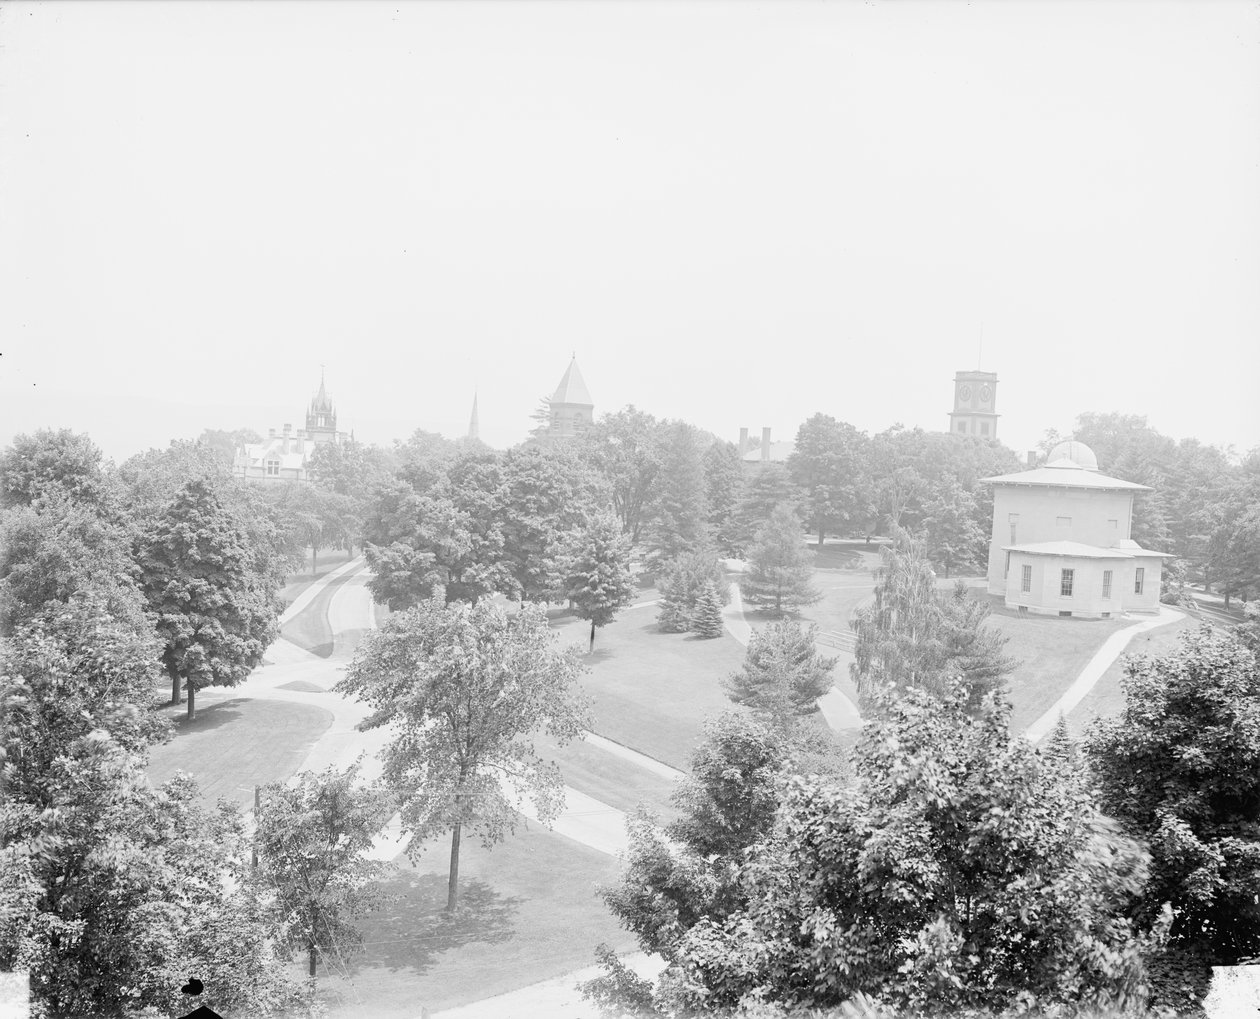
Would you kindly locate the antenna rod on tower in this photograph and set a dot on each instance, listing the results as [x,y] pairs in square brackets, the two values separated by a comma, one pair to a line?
[980,351]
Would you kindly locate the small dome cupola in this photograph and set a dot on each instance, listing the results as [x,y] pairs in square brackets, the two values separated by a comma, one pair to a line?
[1072,455]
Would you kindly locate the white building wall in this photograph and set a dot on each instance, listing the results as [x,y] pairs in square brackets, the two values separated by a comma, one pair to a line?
[1087,600]
[1099,517]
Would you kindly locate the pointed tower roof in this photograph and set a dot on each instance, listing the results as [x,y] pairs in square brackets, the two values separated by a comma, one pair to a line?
[473,425]
[572,389]
[321,401]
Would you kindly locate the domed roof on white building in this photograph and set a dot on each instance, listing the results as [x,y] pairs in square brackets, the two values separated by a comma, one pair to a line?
[1072,454]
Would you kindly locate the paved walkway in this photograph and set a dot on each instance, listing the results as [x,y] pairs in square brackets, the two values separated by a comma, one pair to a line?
[1093,671]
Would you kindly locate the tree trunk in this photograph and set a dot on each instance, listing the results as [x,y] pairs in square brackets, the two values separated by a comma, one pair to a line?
[592,648]
[820,537]
[174,685]
[314,559]
[312,965]
[192,694]
[452,885]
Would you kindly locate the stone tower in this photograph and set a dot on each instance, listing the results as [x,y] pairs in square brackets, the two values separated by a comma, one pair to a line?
[570,410]
[975,395]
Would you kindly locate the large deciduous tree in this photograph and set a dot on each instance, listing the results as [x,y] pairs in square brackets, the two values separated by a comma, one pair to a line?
[689,870]
[959,870]
[112,891]
[215,611]
[780,567]
[465,689]
[626,449]
[47,462]
[1180,768]
[311,838]
[597,576]
[827,465]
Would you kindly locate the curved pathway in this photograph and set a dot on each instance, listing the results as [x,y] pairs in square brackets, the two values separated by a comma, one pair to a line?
[1093,671]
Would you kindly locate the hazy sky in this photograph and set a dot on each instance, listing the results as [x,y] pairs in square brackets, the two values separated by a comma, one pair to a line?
[734,213]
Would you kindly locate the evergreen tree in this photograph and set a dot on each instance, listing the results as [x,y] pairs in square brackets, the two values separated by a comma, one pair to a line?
[783,674]
[215,613]
[681,521]
[780,567]
[765,486]
[707,621]
[597,571]
[723,480]
[674,615]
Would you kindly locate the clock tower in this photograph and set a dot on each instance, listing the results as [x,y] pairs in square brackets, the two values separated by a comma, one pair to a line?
[975,395]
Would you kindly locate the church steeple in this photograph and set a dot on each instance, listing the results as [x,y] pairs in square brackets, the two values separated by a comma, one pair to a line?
[321,415]
[473,425]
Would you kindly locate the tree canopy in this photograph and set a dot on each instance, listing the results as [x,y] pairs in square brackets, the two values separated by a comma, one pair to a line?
[465,688]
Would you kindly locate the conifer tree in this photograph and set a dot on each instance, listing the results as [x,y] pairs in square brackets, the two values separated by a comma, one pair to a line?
[780,567]
[597,571]
[707,621]
[681,523]
[674,616]
[783,674]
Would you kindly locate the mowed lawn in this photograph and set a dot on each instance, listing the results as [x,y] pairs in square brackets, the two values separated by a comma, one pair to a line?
[235,743]
[1051,653]
[530,911]
[608,778]
[1107,698]
[653,690]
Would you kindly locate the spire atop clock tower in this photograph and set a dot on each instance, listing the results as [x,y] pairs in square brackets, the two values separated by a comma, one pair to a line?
[975,396]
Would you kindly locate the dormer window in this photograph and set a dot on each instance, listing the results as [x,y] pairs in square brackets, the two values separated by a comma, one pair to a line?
[273,468]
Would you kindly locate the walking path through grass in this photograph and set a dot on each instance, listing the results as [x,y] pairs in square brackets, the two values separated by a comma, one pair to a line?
[1094,669]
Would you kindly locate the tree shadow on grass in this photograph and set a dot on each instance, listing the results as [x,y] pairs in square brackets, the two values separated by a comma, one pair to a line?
[414,930]
[209,717]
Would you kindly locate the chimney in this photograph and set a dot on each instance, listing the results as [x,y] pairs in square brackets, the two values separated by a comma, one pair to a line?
[743,441]
[285,448]
[765,444]
[271,433]
[300,443]
[1032,458]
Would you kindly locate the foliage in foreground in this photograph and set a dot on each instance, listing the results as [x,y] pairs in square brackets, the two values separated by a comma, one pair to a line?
[1180,767]
[960,869]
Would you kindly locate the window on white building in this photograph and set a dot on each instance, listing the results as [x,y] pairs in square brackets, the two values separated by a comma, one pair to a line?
[1139,579]
[1065,583]
[1063,521]
[1026,579]
[962,426]
[1007,571]
[1106,583]
[1114,524]
[273,468]
[984,428]
[1014,520]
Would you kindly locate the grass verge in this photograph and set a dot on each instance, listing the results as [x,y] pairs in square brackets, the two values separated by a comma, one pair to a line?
[529,912]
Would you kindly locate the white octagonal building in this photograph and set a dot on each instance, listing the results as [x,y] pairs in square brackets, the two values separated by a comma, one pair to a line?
[1060,544]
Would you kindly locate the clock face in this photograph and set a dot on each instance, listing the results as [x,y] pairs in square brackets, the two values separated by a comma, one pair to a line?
[964,393]
[986,394]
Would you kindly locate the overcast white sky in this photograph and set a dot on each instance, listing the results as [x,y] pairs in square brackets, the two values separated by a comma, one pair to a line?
[735,213]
